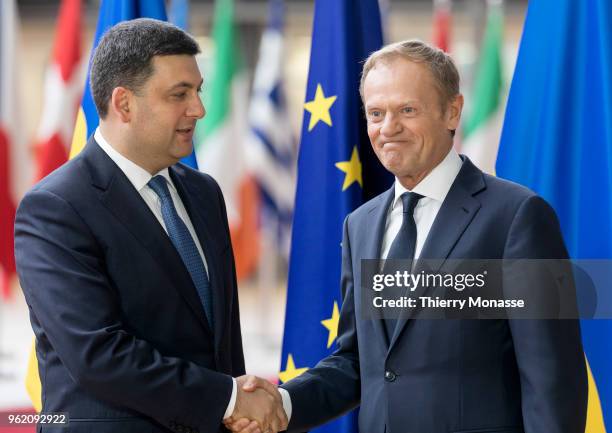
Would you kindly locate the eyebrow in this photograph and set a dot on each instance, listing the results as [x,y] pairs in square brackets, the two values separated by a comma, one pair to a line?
[186,85]
[402,104]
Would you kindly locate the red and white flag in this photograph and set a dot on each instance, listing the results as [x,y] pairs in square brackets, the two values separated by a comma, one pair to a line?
[14,158]
[63,89]
[442,24]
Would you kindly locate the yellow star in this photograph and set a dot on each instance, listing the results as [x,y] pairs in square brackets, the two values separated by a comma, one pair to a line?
[352,169]
[290,371]
[332,325]
[319,108]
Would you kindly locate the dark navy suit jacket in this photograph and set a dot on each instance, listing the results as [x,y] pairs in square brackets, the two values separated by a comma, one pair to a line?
[122,340]
[460,376]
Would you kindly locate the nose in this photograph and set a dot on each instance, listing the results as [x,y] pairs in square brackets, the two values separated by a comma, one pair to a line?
[391,125]
[196,108]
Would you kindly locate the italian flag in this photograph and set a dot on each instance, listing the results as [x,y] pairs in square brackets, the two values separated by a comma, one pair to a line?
[482,129]
[220,137]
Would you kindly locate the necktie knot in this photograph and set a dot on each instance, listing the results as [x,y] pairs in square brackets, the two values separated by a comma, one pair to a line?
[410,200]
[159,185]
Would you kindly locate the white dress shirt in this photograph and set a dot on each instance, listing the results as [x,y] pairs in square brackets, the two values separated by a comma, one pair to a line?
[434,188]
[139,178]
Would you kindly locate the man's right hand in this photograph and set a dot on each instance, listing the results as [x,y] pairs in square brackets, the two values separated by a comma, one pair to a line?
[259,407]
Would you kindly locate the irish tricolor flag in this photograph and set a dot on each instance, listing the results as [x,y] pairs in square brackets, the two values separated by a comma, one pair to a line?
[220,137]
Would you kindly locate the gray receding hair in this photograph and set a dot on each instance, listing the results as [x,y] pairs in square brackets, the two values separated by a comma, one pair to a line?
[441,65]
[123,56]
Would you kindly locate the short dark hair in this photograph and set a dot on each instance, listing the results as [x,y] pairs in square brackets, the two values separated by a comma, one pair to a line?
[123,56]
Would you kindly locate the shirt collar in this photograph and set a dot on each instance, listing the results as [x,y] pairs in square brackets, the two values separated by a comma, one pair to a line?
[438,182]
[137,175]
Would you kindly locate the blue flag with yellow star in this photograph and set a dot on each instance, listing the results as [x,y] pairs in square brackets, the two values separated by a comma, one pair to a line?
[337,172]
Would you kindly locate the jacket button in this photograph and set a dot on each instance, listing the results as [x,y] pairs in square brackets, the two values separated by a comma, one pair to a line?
[390,376]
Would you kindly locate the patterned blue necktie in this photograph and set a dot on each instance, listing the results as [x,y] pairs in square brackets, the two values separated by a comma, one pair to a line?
[184,244]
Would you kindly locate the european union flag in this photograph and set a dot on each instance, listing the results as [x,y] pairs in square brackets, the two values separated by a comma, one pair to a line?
[337,172]
[557,139]
[111,13]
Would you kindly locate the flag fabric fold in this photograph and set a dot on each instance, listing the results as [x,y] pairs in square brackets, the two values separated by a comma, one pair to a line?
[337,172]
[557,140]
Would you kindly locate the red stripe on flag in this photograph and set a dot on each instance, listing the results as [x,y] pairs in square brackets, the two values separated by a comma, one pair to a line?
[50,155]
[442,24]
[67,48]
[7,217]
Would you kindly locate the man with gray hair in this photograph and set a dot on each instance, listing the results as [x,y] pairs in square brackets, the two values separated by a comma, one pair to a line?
[125,260]
[410,374]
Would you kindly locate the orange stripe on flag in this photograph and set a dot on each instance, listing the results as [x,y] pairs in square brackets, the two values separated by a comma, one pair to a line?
[245,233]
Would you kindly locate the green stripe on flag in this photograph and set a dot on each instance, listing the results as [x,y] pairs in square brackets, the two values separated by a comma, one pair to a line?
[488,81]
[225,65]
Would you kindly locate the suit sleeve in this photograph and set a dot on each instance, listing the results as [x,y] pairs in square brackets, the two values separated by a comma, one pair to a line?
[332,387]
[549,352]
[62,273]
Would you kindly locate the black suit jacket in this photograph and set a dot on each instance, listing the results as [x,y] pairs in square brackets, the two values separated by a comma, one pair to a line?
[121,336]
[439,376]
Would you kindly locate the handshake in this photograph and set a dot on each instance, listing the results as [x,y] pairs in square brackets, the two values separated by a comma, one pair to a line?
[258,408]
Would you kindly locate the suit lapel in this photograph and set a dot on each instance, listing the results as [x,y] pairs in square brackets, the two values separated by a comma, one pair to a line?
[121,198]
[457,212]
[377,218]
[202,222]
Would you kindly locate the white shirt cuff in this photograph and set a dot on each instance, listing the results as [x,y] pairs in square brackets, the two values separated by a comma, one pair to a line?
[286,402]
[232,402]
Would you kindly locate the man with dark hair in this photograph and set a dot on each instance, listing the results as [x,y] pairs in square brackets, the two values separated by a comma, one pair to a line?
[125,259]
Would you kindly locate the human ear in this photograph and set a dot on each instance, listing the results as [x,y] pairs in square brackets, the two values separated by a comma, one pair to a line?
[120,103]
[453,112]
